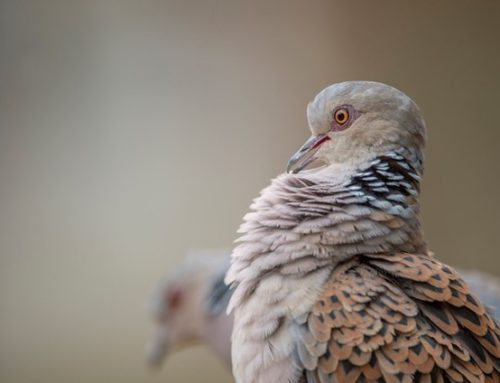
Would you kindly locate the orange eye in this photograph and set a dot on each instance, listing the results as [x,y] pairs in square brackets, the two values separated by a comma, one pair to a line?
[341,116]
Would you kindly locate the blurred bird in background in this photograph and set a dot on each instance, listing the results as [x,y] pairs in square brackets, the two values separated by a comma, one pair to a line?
[189,306]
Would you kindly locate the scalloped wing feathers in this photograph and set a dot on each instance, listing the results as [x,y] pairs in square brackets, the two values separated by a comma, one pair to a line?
[397,318]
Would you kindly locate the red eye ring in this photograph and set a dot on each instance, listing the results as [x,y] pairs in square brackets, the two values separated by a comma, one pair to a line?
[341,116]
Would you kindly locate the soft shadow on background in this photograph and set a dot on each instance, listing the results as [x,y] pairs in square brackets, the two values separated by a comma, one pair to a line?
[133,131]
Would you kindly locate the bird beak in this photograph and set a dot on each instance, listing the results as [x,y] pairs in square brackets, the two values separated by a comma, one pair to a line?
[157,350]
[305,155]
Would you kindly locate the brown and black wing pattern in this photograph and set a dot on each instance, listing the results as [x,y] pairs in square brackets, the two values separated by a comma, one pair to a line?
[397,318]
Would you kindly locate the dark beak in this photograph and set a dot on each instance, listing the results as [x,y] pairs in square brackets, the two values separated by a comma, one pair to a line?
[305,155]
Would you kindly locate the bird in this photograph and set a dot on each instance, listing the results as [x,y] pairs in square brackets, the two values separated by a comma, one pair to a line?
[188,307]
[332,278]
[216,294]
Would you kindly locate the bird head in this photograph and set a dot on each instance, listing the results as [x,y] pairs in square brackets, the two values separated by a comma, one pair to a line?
[178,304]
[355,121]
[170,309]
[176,307]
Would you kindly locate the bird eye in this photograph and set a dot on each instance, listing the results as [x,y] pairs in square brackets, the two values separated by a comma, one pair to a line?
[341,116]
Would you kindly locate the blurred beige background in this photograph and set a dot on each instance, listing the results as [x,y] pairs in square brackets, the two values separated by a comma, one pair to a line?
[133,131]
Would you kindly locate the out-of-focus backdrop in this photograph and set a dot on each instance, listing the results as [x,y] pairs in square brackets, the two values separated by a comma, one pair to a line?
[133,131]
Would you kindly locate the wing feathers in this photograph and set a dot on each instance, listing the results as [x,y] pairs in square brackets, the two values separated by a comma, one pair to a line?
[398,318]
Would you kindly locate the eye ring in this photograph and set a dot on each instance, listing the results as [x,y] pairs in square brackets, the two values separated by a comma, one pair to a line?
[341,116]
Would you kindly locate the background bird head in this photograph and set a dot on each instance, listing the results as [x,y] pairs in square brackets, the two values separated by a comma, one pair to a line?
[180,306]
[171,308]
[356,121]
[174,307]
